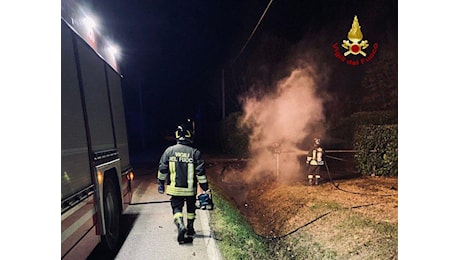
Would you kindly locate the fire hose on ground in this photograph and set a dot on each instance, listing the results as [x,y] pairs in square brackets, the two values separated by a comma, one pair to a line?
[329,212]
[315,219]
[358,193]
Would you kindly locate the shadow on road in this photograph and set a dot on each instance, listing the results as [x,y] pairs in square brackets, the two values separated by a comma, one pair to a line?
[127,223]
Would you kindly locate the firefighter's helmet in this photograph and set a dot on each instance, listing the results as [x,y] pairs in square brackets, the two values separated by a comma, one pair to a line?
[185,131]
[317,141]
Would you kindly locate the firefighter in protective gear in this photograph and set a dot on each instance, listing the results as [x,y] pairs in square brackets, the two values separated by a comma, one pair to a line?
[314,161]
[181,167]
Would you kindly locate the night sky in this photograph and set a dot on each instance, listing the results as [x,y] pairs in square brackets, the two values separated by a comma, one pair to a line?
[173,52]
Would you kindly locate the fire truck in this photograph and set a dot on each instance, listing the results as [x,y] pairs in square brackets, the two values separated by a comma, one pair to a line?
[96,172]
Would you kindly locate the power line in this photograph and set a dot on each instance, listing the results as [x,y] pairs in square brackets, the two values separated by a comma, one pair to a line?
[253,31]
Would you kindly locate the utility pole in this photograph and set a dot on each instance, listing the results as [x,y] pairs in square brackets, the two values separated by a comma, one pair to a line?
[141,112]
[223,95]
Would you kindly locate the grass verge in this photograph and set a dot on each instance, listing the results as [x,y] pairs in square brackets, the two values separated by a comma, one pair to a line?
[235,237]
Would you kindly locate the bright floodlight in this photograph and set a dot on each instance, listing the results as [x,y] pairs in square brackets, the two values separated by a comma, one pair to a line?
[114,50]
[89,23]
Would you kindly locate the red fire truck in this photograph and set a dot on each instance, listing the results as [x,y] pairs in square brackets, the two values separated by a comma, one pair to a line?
[96,173]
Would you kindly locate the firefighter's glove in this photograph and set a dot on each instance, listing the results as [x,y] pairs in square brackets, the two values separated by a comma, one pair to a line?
[209,193]
[161,188]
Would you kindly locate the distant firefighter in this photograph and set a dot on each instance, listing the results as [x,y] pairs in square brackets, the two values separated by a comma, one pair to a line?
[314,161]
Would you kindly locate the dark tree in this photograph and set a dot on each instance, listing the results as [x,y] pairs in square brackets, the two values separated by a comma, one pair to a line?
[380,82]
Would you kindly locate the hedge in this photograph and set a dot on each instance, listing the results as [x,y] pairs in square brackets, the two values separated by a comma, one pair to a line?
[346,128]
[377,150]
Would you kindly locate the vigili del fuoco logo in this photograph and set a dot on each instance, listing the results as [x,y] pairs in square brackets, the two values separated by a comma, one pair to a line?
[355,46]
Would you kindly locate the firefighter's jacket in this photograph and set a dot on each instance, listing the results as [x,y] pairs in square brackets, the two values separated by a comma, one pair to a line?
[181,167]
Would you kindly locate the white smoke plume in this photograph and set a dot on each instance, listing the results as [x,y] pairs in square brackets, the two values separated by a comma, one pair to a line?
[286,117]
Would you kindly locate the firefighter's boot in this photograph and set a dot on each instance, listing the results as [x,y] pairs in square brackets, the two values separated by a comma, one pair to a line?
[317,179]
[190,229]
[180,229]
[310,179]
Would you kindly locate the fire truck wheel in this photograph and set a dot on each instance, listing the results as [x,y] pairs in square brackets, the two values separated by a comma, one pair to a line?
[111,216]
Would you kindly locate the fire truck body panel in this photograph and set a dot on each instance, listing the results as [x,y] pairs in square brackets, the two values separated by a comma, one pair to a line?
[95,164]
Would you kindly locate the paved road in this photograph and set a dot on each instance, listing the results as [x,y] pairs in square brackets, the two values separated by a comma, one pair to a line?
[150,233]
